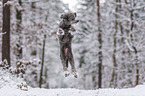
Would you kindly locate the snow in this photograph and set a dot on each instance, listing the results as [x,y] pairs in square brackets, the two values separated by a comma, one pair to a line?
[8,90]
[137,91]
[46,92]
[10,86]
[3,33]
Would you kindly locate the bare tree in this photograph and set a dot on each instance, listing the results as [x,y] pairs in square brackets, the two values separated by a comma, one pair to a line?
[42,65]
[6,30]
[132,39]
[100,55]
[114,74]
[131,31]
[18,30]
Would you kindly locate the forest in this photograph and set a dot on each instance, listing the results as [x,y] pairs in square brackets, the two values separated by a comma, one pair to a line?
[108,44]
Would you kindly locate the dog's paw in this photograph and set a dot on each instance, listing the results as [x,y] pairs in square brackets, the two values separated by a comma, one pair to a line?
[60,31]
[66,73]
[75,74]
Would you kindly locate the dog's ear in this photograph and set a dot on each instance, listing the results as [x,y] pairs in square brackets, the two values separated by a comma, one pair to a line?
[75,14]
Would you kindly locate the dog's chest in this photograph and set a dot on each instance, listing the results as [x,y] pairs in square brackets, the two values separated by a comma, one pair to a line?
[65,25]
[66,38]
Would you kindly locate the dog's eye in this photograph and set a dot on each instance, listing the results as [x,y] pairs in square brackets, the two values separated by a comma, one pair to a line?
[72,19]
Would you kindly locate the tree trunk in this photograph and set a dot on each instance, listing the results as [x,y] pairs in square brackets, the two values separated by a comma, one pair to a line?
[122,36]
[125,1]
[18,30]
[137,66]
[132,40]
[6,30]
[41,71]
[82,58]
[100,55]
[114,74]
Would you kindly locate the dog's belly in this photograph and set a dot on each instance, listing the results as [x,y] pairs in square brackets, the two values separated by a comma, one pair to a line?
[67,38]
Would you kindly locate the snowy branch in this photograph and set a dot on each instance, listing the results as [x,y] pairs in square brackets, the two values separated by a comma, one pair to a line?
[9,3]
[31,1]
[3,33]
[128,45]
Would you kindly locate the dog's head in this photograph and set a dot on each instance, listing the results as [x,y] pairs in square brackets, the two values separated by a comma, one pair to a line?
[69,16]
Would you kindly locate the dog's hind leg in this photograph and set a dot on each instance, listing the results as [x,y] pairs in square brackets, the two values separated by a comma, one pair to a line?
[71,60]
[64,61]
[66,72]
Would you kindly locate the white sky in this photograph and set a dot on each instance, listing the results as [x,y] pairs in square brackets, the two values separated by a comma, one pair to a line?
[72,3]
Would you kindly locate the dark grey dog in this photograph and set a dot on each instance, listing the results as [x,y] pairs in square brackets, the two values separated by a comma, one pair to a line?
[65,39]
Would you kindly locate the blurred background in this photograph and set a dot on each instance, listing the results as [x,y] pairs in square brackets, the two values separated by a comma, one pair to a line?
[108,44]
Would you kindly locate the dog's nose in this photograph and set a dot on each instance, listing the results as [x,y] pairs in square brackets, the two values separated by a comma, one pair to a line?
[77,20]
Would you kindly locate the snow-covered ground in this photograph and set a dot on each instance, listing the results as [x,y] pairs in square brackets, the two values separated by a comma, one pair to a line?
[137,91]
[10,86]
